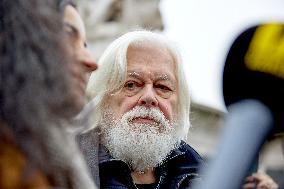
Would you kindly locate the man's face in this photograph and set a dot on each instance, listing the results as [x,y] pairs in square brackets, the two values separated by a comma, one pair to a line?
[140,123]
[151,82]
[76,41]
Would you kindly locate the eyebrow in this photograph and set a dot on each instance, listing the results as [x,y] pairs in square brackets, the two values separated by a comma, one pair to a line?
[168,79]
[134,74]
[160,77]
[164,77]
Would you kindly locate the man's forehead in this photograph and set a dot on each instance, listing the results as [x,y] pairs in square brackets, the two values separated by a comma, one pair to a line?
[149,59]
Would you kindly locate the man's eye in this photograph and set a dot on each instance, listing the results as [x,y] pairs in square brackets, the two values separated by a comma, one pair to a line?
[164,91]
[163,87]
[130,85]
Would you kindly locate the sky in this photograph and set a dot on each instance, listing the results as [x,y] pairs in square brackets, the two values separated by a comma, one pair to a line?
[204,31]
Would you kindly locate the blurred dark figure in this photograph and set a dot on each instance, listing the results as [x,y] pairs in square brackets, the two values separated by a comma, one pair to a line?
[36,99]
[253,81]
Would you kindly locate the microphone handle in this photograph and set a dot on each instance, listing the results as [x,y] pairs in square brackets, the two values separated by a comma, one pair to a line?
[246,127]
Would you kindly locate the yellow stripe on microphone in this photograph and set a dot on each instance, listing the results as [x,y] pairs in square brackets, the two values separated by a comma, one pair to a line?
[266,50]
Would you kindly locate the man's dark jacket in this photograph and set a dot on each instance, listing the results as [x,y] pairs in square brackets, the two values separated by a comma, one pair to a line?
[178,171]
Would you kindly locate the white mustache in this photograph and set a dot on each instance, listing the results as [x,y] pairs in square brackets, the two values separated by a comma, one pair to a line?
[151,113]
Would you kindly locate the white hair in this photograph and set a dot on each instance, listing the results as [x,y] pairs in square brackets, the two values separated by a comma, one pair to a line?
[112,74]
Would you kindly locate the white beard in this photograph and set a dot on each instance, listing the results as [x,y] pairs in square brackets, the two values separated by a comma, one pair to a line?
[141,146]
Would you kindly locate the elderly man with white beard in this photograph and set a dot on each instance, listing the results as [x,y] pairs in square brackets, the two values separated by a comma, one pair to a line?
[143,115]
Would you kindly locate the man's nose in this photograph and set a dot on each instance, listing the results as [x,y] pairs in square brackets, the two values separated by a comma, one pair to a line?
[86,60]
[148,97]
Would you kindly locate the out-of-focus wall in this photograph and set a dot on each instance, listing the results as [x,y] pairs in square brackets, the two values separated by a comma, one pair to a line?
[108,19]
[206,131]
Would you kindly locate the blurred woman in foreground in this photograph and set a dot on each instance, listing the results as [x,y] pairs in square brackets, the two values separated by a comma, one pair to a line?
[39,90]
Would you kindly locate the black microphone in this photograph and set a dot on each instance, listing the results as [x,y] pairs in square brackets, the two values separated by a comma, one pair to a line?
[253,89]
[254,69]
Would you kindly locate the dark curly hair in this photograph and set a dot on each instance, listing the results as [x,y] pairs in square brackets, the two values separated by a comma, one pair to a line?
[35,88]
[33,60]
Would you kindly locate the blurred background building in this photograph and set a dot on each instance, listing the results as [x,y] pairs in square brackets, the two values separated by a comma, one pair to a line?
[200,21]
